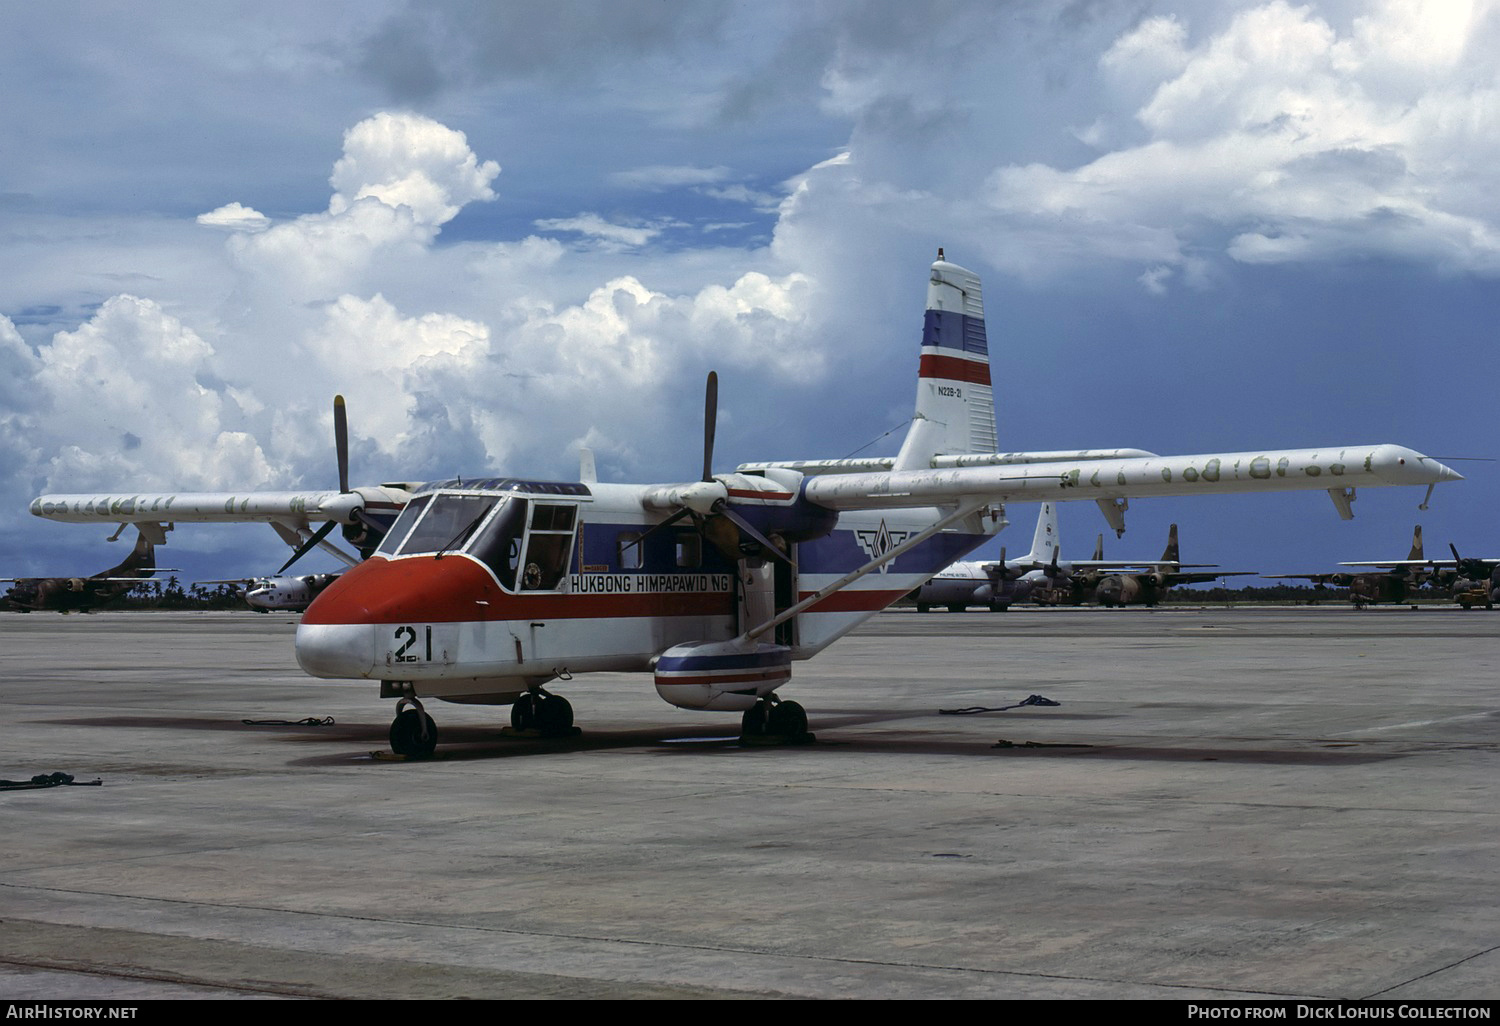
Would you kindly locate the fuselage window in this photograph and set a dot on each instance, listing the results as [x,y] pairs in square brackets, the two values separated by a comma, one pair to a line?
[630,548]
[498,544]
[689,549]
[403,525]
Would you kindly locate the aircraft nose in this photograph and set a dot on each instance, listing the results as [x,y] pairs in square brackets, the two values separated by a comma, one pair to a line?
[1445,473]
[350,626]
[336,649]
[1400,465]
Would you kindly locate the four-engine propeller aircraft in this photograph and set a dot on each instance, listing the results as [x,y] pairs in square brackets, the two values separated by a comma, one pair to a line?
[281,593]
[484,590]
[1472,580]
[1148,586]
[1392,584]
[996,584]
[64,594]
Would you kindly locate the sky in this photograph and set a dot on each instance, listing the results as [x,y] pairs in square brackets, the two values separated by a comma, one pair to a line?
[504,231]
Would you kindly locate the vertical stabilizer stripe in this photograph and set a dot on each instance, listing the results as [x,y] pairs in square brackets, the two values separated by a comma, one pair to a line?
[950,330]
[954,369]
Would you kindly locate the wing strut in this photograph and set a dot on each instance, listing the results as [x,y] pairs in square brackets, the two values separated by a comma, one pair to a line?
[874,564]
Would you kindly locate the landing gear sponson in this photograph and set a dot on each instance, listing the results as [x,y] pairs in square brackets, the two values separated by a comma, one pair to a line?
[537,713]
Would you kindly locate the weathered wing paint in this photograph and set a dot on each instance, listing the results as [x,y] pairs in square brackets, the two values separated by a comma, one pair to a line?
[1207,474]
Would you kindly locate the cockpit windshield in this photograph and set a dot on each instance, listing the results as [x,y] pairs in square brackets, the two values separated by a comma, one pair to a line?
[449,522]
[403,525]
[492,529]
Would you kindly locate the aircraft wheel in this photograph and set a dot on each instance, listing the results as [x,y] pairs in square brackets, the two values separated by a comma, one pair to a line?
[923,607]
[956,607]
[407,734]
[523,713]
[788,719]
[554,715]
[753,723]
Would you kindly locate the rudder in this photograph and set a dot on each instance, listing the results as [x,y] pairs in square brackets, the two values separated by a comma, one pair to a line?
[955,410]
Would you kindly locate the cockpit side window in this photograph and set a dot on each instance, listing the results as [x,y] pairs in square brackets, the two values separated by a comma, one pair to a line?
[499,544]
[403,525]
[548,546]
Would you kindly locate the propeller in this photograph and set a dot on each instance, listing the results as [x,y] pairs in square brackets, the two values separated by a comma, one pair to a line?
[1000,572]
[1469,569]
[706,501]
[356,514]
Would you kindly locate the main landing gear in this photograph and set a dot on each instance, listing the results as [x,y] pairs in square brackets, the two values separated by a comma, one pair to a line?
[542,714]
[537,713]
[772,721]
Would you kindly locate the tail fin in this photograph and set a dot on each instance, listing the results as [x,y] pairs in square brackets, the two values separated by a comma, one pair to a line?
[1045,542]
[1416,544]
[1170,555]
[955,404]
[141,558]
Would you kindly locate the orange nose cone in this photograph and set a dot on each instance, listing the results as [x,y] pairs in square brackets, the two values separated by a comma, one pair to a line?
[420,589]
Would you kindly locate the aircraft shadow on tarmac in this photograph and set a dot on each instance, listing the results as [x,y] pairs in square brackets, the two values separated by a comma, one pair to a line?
[1029,738]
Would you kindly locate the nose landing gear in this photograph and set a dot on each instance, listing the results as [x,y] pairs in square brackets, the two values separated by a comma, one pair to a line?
[413,732]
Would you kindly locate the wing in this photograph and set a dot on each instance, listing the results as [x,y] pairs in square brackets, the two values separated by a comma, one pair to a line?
[290,514]
[1336,470]
[1204,578]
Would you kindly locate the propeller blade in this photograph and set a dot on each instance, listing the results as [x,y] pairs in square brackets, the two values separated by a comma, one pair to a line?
[341,441]
[682,512]
[710,423]
[746,527]
[306,546]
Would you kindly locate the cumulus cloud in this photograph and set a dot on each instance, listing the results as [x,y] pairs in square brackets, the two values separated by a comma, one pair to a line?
[236,217]
[405,160]
[119,401]
[400,179]
[1281,139]
[138,397]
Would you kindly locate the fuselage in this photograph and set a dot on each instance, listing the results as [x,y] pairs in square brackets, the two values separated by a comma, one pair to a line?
[483,589]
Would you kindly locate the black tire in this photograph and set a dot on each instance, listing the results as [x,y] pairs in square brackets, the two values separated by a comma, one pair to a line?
[753,723]
[554,715]
[787,719]
[523,713]
[406,735]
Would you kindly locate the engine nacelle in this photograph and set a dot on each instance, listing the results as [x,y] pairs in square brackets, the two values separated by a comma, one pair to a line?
[724,676]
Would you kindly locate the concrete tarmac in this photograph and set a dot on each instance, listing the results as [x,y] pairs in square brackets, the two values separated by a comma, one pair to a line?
[1257,803]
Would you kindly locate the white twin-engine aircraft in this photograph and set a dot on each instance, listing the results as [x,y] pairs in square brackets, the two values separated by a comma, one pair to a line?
[484,590]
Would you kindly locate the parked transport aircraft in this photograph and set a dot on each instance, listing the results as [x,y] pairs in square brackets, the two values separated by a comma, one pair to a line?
[81,594]
[484,590]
